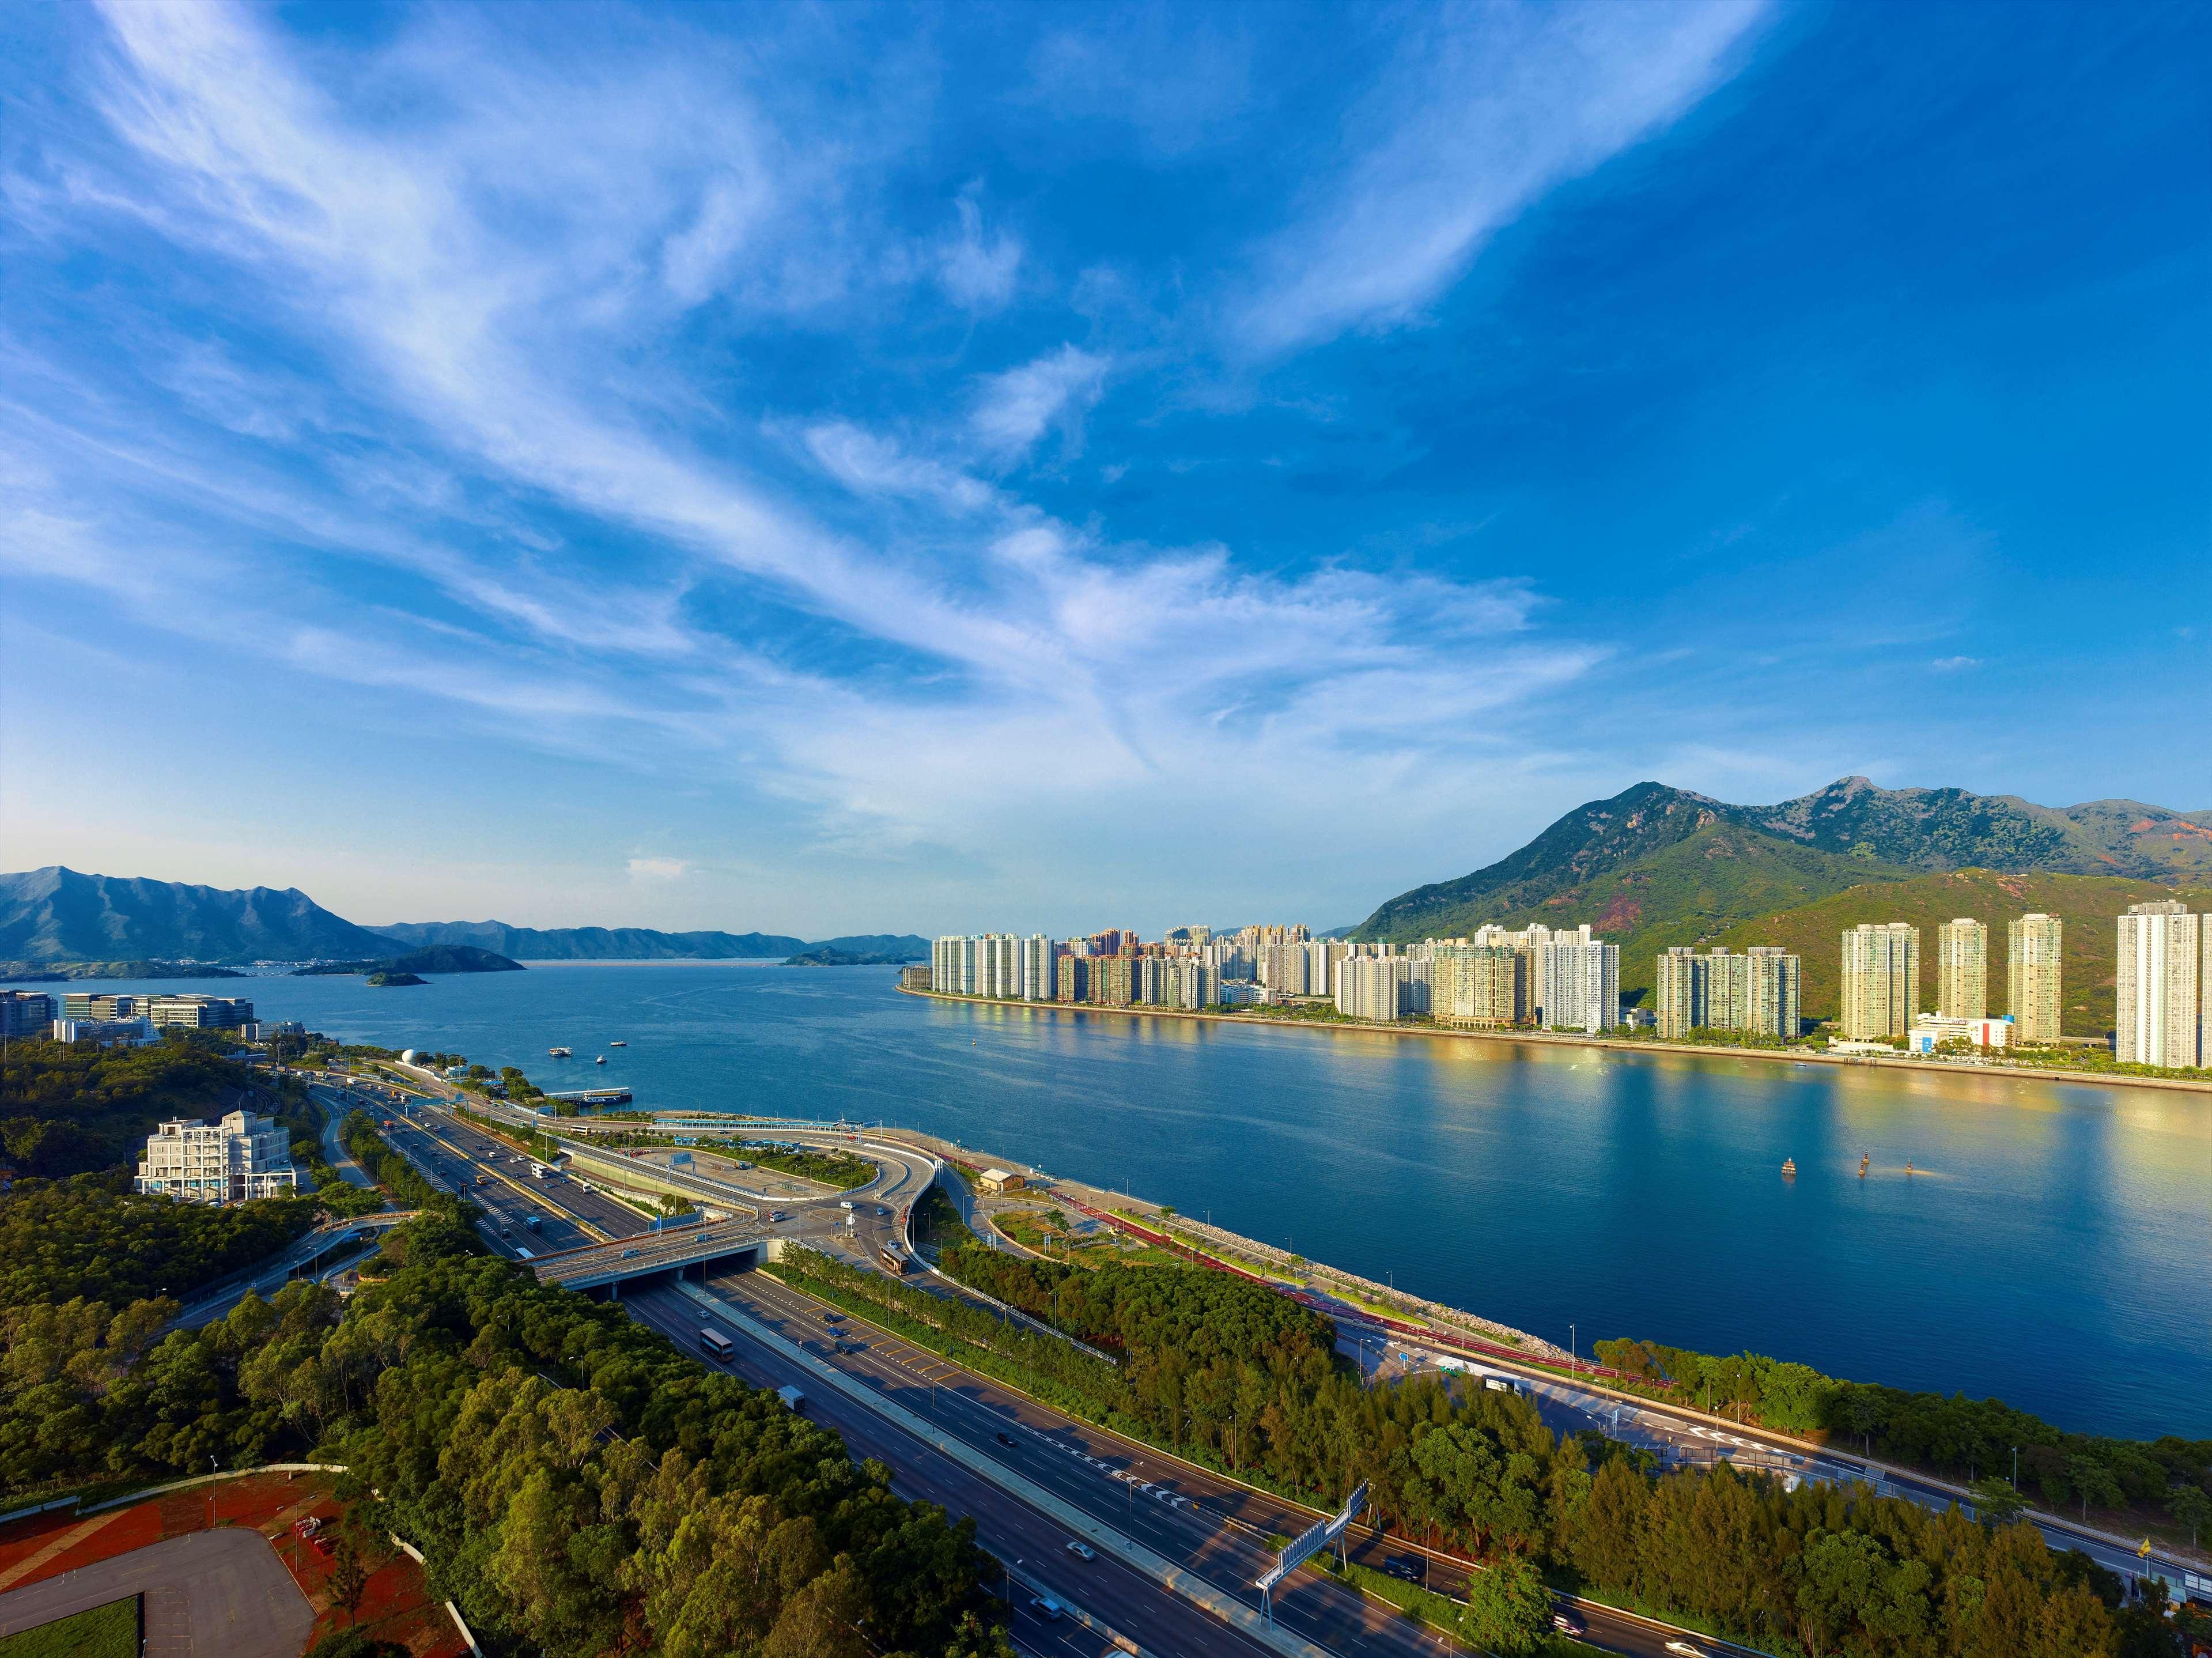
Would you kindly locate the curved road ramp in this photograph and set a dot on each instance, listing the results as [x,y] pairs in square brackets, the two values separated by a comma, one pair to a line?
[223,1593]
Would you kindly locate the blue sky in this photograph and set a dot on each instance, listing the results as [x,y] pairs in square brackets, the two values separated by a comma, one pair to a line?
[834,468]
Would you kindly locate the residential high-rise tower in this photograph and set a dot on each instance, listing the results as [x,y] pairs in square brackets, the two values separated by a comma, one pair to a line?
[1880,979]
[2160,1022]
[2033,945]
[1962,969]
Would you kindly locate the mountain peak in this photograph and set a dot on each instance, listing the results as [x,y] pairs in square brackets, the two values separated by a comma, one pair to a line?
[1848,832]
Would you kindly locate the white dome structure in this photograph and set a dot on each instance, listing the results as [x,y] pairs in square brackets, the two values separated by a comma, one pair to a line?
[407,1056]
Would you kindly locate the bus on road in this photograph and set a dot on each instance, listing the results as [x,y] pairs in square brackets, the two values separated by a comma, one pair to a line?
[894,1262]
[715,1345]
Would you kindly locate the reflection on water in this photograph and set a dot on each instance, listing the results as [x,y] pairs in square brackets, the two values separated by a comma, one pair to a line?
[2051,1245]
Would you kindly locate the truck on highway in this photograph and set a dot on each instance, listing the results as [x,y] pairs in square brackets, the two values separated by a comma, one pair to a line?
[793,1400]
[714,1344]
[530,1221]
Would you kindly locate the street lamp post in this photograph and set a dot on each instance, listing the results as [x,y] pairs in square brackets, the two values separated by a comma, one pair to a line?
[1572,1363]
[212,1465]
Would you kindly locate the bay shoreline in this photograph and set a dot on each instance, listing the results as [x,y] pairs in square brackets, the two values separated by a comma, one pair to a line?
[1566,1038]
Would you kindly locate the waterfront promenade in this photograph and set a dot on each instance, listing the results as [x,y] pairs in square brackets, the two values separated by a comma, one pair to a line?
[1608,1043]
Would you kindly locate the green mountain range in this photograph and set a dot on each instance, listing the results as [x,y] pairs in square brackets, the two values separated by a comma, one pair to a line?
[1655,866]
[55,917]
[56,914]
[594,943]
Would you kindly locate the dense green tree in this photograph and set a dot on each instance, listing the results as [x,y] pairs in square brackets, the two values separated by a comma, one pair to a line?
[1509,1610]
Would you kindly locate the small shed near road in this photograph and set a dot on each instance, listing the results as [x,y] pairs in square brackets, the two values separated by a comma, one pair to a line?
[1002,1179]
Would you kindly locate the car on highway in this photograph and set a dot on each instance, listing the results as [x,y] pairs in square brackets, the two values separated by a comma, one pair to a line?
[1567,1624]
[1083,1551]
[1684,1649]
[1005,1439]
[1044,1606]
[1402,1569]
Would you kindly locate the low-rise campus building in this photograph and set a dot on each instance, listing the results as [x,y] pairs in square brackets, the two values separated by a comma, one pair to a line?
[244,1156]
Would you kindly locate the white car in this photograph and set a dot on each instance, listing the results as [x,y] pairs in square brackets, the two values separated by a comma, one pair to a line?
[1684,1649]
[1083,1551]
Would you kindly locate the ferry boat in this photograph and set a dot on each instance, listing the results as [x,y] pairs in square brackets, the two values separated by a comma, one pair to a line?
[558,1053]
[618,1043]
[1789,1168]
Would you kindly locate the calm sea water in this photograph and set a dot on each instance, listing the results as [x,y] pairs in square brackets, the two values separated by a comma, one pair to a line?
[2053,1249]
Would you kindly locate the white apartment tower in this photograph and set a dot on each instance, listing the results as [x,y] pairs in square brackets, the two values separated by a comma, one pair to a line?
[1578,982]
[2160,1016]
[952,965]
[2033,993]
[1037,982]
[1882,979]
[1962,969]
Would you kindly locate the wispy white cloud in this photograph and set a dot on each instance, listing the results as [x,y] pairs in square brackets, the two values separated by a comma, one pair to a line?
[1955,664]
[1489,106]
[521,495]
[978,271]
[1014,409]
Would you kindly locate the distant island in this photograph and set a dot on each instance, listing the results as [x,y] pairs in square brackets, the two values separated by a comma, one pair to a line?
[439,959]
[380,980]
[38,972]
[824,955]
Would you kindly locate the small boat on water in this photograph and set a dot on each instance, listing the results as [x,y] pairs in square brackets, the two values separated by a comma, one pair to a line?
[618,1043]
[1789,1168]
[558,1053]
[601,1060]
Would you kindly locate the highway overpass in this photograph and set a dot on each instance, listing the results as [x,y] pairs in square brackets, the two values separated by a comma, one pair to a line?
[728,1244]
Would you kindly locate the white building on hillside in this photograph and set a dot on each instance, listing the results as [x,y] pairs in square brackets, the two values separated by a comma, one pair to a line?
[242,1157]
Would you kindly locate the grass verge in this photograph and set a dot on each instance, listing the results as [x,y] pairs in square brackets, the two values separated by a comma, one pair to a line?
[108,1631]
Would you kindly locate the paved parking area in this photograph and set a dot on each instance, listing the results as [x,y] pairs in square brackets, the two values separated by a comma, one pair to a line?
[212,1595]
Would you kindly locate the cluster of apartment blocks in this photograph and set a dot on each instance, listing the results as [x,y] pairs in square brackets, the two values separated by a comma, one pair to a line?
[1557,978]
[2163,980]
[106,1017]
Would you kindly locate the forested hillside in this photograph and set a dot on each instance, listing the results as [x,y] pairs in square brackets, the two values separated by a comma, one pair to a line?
[578,1486]
[67,1110]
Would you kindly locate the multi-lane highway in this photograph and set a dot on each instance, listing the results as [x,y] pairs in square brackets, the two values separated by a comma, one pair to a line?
[1215,1527]
[1033,1548]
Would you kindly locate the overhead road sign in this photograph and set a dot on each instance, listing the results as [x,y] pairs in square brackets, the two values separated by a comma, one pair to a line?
[1322,1534]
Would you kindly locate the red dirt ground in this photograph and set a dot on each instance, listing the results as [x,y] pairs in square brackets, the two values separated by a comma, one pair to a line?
[396,1606]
